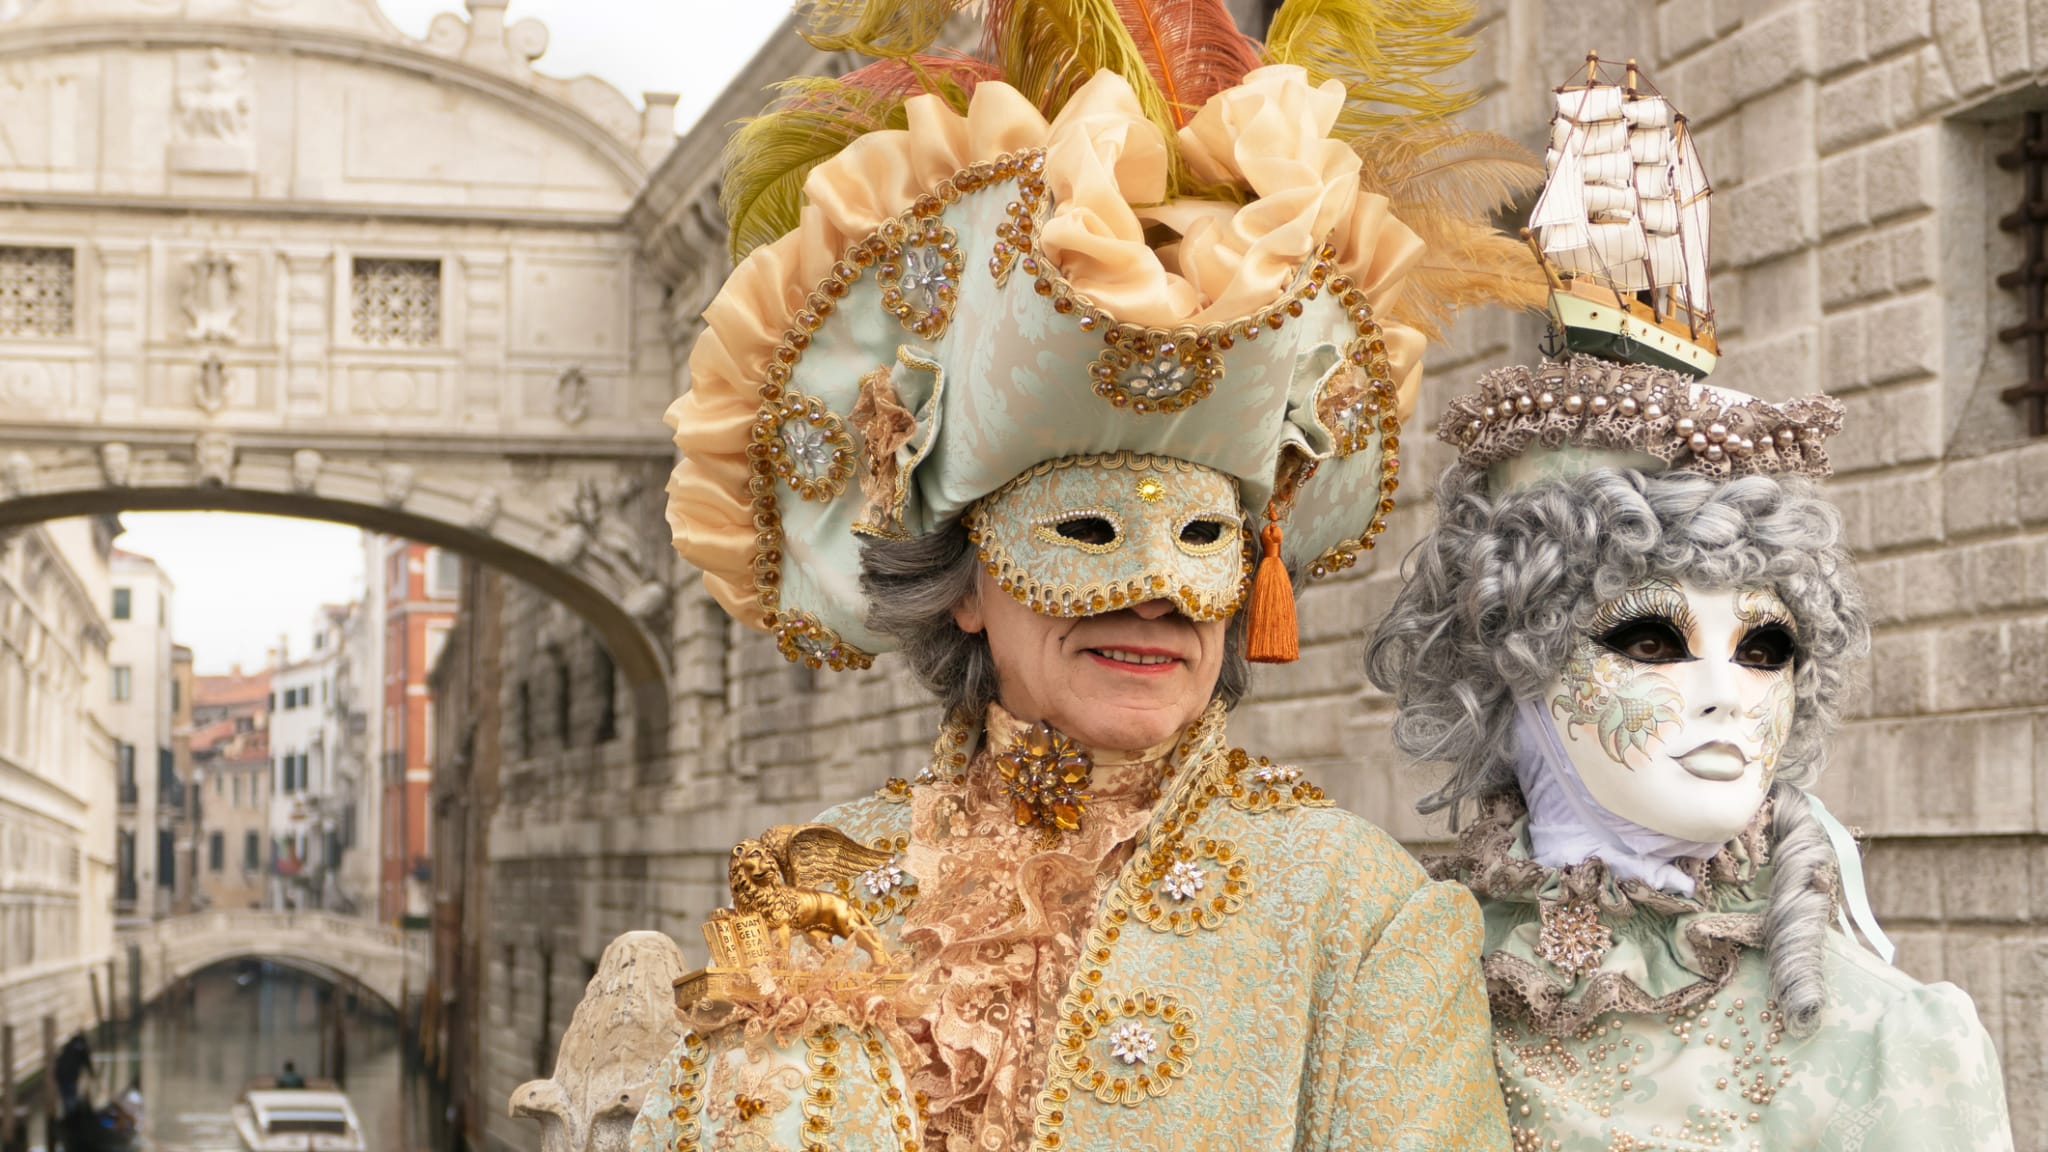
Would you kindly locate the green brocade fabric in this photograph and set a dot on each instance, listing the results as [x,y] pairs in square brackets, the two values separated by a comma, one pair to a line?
[1672,1042]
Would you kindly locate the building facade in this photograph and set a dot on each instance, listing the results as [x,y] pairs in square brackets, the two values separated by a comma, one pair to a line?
[57,781]
[1871,244]
[309,793]
[231,761]
[139,711]
[181,822]
[417,585]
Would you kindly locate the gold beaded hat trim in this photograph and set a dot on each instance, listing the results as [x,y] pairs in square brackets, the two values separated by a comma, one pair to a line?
[1564,417]
[990,289]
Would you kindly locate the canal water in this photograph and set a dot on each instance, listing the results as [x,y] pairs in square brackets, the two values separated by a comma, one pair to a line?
[239,1022]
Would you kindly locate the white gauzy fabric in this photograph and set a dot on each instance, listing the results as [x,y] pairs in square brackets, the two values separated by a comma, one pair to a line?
[1567,826]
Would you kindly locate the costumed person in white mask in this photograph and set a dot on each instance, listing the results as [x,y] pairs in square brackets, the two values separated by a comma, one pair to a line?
[1064,360]
[1630,634]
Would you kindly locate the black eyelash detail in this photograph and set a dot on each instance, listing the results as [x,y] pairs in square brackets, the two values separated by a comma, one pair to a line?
[1649,602]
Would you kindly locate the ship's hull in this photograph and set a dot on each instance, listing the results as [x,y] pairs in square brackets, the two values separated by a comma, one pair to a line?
[1613,331]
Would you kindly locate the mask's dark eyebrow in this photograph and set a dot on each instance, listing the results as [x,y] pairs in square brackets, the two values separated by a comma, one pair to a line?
[1650,600]
[1759,606]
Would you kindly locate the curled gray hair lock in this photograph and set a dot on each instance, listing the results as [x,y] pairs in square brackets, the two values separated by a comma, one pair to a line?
[1497,593]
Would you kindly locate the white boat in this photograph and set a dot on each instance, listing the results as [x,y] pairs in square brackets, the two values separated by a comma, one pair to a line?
[1622,226]
[316,1118]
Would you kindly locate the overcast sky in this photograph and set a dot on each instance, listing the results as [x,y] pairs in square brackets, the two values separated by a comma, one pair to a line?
[243,580]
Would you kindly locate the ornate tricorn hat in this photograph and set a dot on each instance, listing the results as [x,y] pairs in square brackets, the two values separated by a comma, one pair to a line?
[1122,255]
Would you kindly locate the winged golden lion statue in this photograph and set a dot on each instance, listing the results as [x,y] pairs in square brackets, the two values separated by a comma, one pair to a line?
[786,877]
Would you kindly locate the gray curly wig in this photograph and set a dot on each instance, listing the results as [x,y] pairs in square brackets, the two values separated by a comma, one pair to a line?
[911,587]
[1497,593]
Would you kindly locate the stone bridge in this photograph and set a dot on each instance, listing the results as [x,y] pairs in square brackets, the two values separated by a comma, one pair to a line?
[277,256]
[389,963]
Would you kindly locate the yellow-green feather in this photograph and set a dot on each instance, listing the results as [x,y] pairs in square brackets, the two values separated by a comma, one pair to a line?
[1388,53]
[886,29]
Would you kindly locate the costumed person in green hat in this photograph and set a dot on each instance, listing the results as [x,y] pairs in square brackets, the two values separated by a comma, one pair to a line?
[1066,361]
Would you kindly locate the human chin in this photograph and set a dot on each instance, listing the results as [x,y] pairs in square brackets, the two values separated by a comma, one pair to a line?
[1133,683]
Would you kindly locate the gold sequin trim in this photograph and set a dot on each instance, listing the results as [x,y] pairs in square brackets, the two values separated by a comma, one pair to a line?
[688,1113]
[821,1089]
[1125,1049]
[1188,885]
[928,257]
[892,1094]
[799,429]
[1263,786]
[803,638]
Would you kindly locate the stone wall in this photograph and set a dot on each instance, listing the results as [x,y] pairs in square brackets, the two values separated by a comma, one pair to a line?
[1850,143]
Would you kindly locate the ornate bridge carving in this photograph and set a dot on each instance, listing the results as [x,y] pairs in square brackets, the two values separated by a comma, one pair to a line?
[388,962]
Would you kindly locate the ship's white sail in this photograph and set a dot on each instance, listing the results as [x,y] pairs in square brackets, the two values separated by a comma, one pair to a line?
[1624,202]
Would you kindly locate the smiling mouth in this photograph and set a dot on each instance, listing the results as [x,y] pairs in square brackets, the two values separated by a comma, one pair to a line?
[1719,762]
[1145,661]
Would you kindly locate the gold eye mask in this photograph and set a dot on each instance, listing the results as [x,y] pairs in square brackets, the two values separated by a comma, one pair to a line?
[1089,534]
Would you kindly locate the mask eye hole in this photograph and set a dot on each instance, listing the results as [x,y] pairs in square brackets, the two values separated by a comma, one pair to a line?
[1770,647]
[1092,530]
[1199,532]
[1648,641]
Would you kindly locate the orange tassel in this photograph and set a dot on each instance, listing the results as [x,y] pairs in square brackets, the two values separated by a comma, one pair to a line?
[1271,635]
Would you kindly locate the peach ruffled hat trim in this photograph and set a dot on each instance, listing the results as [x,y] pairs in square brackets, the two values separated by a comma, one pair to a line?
[1106,169]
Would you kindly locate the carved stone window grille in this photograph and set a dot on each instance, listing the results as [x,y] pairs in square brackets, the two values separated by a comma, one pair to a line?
[396,303]
[37,291]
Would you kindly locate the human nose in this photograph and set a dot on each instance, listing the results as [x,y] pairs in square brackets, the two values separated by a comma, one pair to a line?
[1153,609]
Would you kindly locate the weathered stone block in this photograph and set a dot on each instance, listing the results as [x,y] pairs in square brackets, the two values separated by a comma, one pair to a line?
[2030,465]
[1915,254]
[1902,674]
[1932,584]
[1999,574]
[1895,24]
[1981,495]
[1682,27]
[1768,367]
[1842,201]
[1986,881]
[1959,27]
[1970,665]
[1855,269]
[1903,340]
[1916,421]
[1900,173]
[1843,344]
[1853,109]
[1903,878]
[1865,440]
[1931,90]
[2005,34]
[1773,52]
[1920,953]
[1841,35]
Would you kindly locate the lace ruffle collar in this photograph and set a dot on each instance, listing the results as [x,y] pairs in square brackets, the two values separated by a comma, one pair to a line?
[1565,946]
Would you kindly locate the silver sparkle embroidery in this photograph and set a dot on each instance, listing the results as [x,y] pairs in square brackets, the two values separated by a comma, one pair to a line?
[881,881]
[809,451]
[1160,378]
[1275,774]
[924,275]
[1183,880]
[1133,1043]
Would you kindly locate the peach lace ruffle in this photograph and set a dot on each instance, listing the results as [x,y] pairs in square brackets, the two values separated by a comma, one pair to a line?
[997,930]
[1268,136]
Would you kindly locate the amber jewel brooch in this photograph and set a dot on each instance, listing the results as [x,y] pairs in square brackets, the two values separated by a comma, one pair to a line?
[1044,773]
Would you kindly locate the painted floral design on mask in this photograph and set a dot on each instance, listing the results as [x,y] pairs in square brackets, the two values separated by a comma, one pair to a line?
[1627,705]
[1770,722]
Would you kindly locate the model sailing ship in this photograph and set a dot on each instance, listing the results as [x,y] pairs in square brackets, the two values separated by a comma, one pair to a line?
[1621,228]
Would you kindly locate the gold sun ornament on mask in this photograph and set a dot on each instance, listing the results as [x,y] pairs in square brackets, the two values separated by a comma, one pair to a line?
[1043,774]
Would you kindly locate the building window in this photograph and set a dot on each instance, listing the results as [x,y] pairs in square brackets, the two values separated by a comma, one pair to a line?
[124,682]
[525,720]
[252,852]
[607,697]
[36,291]
[124,604]
[562,699]
[166,860]
[124,760]
[444,574]
[216,852]
[396,303]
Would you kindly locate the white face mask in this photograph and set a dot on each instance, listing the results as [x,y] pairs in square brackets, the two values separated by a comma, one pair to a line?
[1674,705]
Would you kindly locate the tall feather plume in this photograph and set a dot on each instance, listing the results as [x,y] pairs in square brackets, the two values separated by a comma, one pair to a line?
[1447,185]
[1387,53]
[886,29]
[812,119]
[1192,49]
[1047,49]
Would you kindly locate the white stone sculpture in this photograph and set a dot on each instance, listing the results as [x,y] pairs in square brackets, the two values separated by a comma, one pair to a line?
[572,396]
[210,386]
[213,455]
[622,1029]
[213,117]
[306,465]
[211,301]
[115,460]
